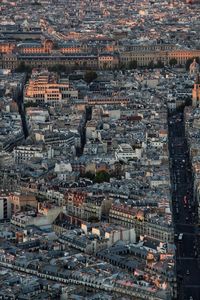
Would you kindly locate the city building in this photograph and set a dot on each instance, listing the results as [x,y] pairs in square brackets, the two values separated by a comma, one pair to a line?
[5,208]
[196,92]
[46,88]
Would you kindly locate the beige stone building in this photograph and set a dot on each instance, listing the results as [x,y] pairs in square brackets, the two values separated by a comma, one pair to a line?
[196,92]
[20,201]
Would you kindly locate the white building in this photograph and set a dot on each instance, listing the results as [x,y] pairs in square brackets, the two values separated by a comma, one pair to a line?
[37,115]
[63,167]
[25,153]
[125,152]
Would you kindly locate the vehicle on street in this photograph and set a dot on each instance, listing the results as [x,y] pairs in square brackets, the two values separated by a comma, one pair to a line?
[180,237]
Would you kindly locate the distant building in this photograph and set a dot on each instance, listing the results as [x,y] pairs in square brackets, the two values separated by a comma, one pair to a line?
[196,92]
[35,47]
[5,208]
[194,68]
[6,47]
[20,201]
[125,152]
[46,88]
[26,153]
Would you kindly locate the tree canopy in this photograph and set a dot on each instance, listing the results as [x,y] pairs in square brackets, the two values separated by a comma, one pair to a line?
[58,68]
[23,68]
[133,64]
[90,76]
[173,62]
[102,176]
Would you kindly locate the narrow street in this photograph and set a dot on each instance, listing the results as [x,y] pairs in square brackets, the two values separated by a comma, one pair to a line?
[184,212]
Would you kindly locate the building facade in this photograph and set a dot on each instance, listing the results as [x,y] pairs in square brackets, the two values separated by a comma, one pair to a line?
[47,88]
[5,208]
[196,92]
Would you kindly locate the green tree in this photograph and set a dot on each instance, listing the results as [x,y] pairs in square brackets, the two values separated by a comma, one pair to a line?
[122,66]
[23,68]
[85,64]
[102,176]
[105,65]
[30,104]
[160,64]
[58,68]
[133,64]
[188,63]
[90,76]
[89,175]
[151,65]
[93,219]
[173,62]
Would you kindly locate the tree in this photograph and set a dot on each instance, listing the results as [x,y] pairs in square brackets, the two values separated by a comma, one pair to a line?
[159,64]
[89,175]
[93,219]
[102,176]
[105,64]
[122,66]
[188,63]
[90,76]
[151,65]
[85,64]
[30,104]
[173,62]
[133,64]
[23,68]
[58,68]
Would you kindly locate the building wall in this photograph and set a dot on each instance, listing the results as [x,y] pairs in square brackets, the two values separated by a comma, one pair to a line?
[22,154]
[5,208]
[143,54]
[155,231]
[144,58]
[128,235]
[196,95]
[41,90]
[6,47]
[19,201]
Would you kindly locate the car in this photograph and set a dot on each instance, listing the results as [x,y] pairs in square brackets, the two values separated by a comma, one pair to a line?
[188,272]
[180,237]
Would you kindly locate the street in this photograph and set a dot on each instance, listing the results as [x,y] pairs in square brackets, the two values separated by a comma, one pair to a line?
[184,212]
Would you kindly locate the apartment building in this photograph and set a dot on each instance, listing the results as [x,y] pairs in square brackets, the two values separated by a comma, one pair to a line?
[196,92]
[125,152]
[20,201]
[107,61]
[26,153]
[35,47]
[48,88]
[134,218]
[6,47]
[144,58]
[101,100]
